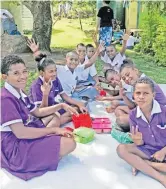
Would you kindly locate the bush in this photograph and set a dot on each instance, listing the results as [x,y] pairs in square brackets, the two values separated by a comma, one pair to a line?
[149,27]
[159,45]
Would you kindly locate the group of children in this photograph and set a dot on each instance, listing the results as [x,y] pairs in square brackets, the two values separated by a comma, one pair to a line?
[31,137]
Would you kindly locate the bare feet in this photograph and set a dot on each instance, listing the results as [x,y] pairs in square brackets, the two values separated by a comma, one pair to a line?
[134,171]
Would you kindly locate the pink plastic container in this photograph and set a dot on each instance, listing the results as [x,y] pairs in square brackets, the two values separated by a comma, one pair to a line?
[101,125]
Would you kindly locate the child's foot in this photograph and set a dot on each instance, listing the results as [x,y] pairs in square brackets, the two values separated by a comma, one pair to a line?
[134,171]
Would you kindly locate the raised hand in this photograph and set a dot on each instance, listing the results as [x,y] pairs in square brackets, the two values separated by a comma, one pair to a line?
[125,37]
[136,136]
[32,45]
[46,87]
[101,47]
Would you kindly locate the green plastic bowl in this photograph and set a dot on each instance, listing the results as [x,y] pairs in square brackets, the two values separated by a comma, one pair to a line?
[84,135]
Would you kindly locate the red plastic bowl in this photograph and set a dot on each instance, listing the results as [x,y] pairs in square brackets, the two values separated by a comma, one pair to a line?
[83,120]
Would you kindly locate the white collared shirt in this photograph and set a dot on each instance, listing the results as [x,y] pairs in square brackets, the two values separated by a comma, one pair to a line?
[156,109]
[116,62]
[67,78]
[18,95]
[12,90]
[83,76]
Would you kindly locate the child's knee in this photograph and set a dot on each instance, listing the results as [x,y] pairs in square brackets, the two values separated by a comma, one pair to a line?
[67,146]
[121,150]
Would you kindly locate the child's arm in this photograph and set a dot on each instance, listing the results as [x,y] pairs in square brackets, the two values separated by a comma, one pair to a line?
[123,49]
[69,100]
[129,102]
[111,98]
[122,93]
[22,132]
[42,112]
[92,60]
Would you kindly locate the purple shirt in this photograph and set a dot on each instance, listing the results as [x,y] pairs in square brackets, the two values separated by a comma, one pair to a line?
[154,132]
[36,94]
[18,107]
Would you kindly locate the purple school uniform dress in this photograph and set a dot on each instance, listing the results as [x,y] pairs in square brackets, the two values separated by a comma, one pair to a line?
[36,94]
[153,132]
[24,158]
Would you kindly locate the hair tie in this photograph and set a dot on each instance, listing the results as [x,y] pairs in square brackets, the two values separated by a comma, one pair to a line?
[41,61]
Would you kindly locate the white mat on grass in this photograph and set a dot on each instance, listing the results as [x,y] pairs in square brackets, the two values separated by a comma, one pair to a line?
[91,166]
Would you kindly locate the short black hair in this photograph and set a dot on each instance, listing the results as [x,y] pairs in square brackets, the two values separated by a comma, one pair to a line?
[107,2]
[89,46]
[109,71]
[43,61]
[145,80]
[81,44]
[132,33]
[10,60]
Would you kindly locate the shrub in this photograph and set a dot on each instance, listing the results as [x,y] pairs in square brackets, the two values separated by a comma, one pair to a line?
[159,45]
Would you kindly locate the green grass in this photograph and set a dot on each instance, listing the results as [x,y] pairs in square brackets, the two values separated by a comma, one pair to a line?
[67,33]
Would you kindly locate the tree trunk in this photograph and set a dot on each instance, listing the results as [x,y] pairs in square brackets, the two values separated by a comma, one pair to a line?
[42,22]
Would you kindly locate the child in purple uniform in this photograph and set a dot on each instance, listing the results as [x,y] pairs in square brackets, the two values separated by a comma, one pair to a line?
[28,148]
[44,90]
[130,74]
[148,131]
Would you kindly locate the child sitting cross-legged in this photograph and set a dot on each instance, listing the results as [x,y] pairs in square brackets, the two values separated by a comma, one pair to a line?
[29,148]
[47,87]
[148,131]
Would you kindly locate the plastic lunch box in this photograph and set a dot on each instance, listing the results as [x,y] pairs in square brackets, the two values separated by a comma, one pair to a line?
[84,135]
[101,125]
